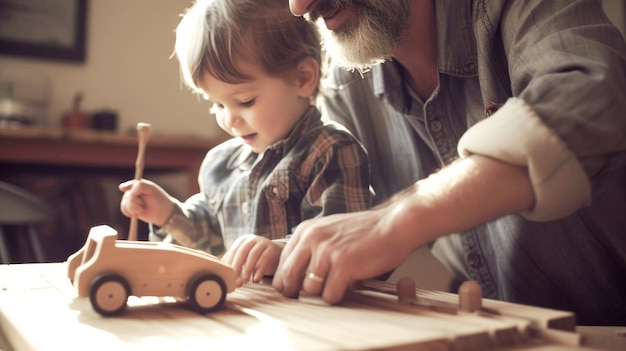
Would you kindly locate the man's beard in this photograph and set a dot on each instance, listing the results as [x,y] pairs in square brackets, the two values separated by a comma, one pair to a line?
[379,26]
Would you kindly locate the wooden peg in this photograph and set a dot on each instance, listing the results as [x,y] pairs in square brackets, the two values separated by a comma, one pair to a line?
[405,288]
[143,133]
[470,296]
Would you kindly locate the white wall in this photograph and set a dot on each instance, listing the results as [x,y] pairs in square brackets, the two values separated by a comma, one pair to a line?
[128,69]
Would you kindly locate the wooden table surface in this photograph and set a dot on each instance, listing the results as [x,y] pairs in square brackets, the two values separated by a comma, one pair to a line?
[39,310]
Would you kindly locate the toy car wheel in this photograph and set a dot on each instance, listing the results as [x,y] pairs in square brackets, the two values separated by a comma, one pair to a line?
[108,294]
[206,293]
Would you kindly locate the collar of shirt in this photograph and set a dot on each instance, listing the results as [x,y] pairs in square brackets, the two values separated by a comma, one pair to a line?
[456,53]
[311,118]
[246,158]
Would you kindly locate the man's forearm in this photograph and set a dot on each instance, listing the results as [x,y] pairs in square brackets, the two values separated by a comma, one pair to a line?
[471,191]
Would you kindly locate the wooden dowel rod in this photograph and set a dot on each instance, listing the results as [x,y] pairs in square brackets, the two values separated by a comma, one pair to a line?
[143,133]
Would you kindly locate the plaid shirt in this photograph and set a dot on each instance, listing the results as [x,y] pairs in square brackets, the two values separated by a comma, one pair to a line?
[319,169]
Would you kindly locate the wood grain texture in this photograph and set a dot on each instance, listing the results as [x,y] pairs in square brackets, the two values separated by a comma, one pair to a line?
[40,310]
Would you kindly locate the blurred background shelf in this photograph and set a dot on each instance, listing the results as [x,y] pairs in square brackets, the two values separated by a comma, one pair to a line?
[76,172]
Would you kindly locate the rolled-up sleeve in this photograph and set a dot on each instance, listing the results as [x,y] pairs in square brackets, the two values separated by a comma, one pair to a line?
[515,134]
[567,66]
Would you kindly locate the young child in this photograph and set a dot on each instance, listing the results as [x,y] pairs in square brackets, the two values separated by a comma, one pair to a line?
[259,67]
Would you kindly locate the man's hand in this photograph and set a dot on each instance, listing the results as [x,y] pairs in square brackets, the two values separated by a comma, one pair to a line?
[326,255]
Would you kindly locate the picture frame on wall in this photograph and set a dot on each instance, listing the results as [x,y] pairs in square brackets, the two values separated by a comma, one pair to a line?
[50,29]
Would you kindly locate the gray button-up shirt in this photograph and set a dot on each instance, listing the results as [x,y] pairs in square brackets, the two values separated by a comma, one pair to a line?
[540,84]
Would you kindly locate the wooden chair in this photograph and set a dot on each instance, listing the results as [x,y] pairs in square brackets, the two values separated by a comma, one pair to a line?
[19,207]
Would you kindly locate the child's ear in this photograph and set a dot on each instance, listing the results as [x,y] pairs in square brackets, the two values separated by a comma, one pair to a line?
[308,76]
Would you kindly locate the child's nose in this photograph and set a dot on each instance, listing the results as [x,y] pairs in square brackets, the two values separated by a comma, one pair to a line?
[231,118]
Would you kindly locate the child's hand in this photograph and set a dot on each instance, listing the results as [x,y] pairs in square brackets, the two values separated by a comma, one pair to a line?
[147,201]
[253,257]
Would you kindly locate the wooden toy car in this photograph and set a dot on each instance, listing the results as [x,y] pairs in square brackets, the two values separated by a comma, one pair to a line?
[110,270]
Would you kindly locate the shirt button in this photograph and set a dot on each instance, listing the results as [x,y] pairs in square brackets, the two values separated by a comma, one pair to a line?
[491,108]
[272,192]
[435,126]
[474,260]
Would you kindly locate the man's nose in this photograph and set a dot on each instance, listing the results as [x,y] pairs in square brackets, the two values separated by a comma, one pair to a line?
[300,7]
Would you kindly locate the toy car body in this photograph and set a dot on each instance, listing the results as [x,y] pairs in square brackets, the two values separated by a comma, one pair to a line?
[110,270]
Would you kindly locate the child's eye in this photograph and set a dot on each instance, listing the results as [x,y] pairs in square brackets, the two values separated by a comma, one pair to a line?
[247,103]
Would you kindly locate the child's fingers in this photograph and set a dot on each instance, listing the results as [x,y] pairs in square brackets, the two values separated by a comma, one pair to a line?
[259,272]
[228,257]
[240,255]
[125,186]
[132,205]
[253,260]
[267,263]
[125,205]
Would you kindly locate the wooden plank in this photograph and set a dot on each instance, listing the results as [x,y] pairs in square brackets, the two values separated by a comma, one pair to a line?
[537,316]
[40,310]
[465,331]
[347,327]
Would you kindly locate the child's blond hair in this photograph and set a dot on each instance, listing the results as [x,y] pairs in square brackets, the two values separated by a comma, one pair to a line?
[214,34]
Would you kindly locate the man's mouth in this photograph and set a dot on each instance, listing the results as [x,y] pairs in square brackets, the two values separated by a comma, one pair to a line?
[335,18]
[323,9]
[329,16]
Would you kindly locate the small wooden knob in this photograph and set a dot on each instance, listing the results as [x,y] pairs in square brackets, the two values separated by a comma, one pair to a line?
[470,296]
[405,288]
